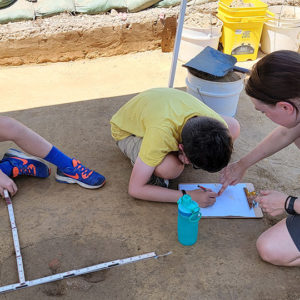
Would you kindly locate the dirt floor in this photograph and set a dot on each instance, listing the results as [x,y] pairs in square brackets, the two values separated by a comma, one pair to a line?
[64,227]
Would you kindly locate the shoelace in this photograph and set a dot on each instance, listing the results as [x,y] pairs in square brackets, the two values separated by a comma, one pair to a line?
[27,170]
[85,172]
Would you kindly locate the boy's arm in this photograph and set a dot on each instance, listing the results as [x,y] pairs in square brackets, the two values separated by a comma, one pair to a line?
[138,188]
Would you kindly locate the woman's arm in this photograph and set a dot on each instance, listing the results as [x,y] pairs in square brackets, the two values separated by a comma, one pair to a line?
[278,139]
[273,202]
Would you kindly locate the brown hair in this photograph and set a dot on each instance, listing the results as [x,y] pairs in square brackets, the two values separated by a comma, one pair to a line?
[207,143]
[275,78]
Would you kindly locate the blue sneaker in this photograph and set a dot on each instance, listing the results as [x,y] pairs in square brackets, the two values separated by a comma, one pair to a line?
[81,175]
[23,164]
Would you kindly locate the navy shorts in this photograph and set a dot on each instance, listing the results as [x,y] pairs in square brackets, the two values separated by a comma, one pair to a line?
[293,226]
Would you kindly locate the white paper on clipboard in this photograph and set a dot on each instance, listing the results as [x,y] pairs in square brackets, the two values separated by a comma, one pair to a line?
[231,204]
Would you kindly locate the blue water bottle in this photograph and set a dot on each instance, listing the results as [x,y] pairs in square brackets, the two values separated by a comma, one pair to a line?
[188,218]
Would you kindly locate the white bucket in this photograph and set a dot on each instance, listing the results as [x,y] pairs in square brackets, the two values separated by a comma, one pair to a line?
[222,97]
[282,13]
[279,38]
[194,40]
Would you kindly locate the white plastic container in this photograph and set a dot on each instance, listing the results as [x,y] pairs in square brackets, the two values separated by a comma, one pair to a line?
[283,31]
[282,15]
[222,97]
[194,40]
[279,38]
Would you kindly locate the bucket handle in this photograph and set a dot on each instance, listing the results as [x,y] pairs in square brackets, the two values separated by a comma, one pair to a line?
[198,90]
[270,13]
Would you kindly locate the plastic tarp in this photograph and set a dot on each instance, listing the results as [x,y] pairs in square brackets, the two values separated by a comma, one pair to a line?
[138,5]
[53,7]
[4,3]
[98,6]
[18,11]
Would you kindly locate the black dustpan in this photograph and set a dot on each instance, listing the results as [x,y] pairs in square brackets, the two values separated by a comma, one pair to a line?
[214,62]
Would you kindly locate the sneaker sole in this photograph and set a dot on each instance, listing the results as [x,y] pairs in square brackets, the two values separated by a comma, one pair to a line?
[23,155]
[64,179]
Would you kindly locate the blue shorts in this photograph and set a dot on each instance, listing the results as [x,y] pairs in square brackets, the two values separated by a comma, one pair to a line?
[293,226]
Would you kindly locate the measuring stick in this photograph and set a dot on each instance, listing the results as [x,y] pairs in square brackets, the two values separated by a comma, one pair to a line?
[15,237]
[73,273]
[59,276]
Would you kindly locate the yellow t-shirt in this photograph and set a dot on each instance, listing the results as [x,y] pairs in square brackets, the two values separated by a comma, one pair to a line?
[158,116]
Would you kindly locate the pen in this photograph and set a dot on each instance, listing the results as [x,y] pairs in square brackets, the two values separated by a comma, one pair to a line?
[202,187]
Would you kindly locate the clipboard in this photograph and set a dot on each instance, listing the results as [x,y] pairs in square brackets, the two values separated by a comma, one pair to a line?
[231,204]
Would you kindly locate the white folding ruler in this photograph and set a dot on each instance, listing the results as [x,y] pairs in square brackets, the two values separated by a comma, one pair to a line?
[23,283]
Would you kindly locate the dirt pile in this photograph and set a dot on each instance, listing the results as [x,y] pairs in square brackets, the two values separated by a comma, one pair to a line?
[66,37]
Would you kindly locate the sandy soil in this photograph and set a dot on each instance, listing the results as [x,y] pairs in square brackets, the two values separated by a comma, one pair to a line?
[240,3]
[66,38]
[64,227]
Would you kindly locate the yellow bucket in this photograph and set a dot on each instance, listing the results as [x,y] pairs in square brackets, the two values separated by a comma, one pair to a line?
[258,8]
[241,36]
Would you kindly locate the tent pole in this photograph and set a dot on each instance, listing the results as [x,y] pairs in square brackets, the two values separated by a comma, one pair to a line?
[177,42]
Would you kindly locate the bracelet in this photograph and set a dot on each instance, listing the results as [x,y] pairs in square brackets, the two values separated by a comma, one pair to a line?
[183,192]
[290,209]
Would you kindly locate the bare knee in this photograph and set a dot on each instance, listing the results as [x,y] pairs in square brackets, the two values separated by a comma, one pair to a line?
[233,127]
[6,121]
[171,167]
[7,128]
[267,251]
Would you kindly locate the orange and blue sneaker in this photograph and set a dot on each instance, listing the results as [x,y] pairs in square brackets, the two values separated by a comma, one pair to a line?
[81,175]
[23,164]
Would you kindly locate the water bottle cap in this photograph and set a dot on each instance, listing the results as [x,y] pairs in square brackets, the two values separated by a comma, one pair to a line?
[187,206]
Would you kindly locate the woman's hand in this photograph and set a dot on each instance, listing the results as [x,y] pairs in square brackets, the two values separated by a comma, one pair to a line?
[271,202]
[231,175]
[8,184]
[203,198]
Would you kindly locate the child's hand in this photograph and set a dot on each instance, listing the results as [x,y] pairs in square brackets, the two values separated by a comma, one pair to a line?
[7,183]
[203,198]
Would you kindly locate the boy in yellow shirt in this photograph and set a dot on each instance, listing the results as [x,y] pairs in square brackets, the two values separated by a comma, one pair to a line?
[161,130]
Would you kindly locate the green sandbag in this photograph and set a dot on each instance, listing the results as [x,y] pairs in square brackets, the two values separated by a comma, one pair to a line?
[170,3]
[98,6]
[19,11]
[53,7]
[167,3]
[138,5]
[4,3]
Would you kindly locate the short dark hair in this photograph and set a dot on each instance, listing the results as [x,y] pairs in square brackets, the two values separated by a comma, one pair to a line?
[275,78]
[207,143]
